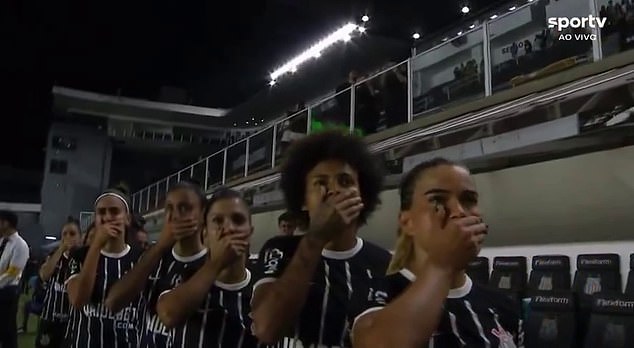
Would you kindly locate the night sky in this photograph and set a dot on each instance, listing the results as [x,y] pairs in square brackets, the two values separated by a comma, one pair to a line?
[220,52]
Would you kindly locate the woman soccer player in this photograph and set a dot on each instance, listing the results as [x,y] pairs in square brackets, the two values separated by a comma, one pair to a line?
[178,250]
[54,271]
[210,308]
[108,258]
[441,230]
[77,254]
[310,286]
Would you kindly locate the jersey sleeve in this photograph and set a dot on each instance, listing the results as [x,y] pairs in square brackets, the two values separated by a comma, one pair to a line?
[274,257]
[74,264]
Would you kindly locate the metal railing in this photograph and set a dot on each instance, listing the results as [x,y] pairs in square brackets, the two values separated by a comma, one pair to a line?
[477,61]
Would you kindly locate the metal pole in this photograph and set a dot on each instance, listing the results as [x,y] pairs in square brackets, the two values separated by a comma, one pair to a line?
[274,149]
[191,171]
[224,166]
[246,158]
[156,202]
[309,118]
[488,86]
[410,94]
[206,173]
[147,205]
[352,101]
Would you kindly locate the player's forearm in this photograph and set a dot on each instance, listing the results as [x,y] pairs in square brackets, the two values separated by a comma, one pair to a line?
[176,305]
[409,320]
[132,284]
[81,288]
[48,267]
[282,301]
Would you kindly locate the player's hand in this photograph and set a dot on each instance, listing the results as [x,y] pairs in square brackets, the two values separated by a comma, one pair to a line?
[177,229]
[337,210]
[106,231]
[452,243]
[226,247]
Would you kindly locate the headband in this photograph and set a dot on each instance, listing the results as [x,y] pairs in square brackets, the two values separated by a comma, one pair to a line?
[125,202]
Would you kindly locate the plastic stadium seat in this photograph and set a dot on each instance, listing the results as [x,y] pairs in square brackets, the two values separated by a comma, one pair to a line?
[551,321]
[509,274]
[597,273]
[629,286]
[478,270]
[611,322]
[550,272]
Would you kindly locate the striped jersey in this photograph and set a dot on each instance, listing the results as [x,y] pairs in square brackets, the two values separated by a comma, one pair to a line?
[168,274]
[56,306]
[338,292]
[75,254]
[96,325]
[221,321]
[473,316]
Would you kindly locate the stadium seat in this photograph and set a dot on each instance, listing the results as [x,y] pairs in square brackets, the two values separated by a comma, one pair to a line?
[509,274]
[550,272]
[597,273]
[611,322]
[629,286]
[551,321]
[478,270]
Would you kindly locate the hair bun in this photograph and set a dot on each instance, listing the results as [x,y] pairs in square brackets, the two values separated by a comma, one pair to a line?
[123,188]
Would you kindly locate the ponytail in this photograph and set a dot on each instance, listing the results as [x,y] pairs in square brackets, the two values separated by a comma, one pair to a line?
[403,253]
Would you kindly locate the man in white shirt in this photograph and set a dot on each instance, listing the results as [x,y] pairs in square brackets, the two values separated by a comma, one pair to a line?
[14,253]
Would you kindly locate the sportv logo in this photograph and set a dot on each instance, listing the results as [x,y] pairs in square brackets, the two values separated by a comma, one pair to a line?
[563,23]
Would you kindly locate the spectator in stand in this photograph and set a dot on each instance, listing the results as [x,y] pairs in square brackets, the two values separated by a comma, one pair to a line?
[294,128]
[394,91]
[286,224]
[366,108]
[528,47]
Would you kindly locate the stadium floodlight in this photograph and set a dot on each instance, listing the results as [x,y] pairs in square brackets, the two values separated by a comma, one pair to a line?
[365,18]
[493,17]
[341,34]
[472,26]
[361,29]
[272,83]
[459,33]
[51,238]
[465,9]
[416,36]
[512,8]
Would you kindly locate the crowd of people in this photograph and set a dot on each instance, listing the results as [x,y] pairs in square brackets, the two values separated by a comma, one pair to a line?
[316,284]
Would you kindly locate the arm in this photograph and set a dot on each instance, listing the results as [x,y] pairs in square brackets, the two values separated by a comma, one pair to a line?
[48,267]
[81,283]
[132,284]
[17,262]
[411,319]
[176,305]
[278,302]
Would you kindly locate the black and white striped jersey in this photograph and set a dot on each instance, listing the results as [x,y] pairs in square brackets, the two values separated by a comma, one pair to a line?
[473,316]
[56,306]
[168,274]
[75,254]
[96,325]
[221,321]
[337,294]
